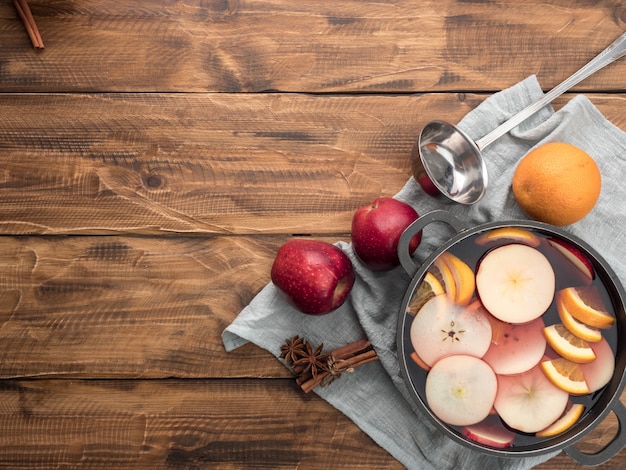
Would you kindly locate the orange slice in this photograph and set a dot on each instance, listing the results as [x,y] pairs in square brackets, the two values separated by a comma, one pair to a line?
[419,361]
[580,329]
[464,278]
[509,233]
[568,345]
[569,418]
[428,288]
[566,375]
[442,271]
[585,305]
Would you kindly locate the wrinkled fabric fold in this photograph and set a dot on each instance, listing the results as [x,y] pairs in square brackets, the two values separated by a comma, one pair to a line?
[374,396]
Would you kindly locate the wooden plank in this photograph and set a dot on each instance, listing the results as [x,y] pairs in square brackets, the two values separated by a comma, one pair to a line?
[241,424]
[312,46]
[129,306]
[155,424]
[211,163]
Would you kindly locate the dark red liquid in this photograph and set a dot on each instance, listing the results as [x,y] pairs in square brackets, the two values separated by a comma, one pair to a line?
[567,275]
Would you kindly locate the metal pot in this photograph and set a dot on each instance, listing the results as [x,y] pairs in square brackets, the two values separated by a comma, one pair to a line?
[603,401]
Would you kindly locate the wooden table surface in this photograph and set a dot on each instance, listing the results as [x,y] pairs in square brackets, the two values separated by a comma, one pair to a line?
[156,154]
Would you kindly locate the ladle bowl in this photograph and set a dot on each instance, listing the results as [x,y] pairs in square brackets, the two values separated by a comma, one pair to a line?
[451,166]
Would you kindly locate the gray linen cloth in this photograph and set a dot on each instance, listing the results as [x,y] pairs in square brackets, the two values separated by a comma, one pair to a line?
[374,396]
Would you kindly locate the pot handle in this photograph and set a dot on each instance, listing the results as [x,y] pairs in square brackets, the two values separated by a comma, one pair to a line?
[404,255]
[611,449]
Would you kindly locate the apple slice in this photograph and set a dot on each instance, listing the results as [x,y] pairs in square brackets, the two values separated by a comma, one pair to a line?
[599,372]
[460,389]
[515,283]
[442,328]
[509,233]
[574,255]
[529,402]
[490,432]
[519,348]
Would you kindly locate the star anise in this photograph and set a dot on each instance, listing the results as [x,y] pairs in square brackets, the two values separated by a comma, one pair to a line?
[292,350]
[312,367]
[313,362]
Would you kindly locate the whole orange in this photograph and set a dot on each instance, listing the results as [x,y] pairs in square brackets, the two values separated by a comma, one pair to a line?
[557,183]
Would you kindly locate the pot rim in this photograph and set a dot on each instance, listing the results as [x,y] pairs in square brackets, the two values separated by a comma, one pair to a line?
[592,417]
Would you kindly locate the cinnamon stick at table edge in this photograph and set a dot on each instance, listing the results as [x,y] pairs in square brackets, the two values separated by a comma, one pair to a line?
[26,15]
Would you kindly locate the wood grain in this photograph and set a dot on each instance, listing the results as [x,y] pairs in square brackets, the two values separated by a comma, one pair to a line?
[177,424]
[322,46]
[211,163]
[129,306]
[157,153]
[137,307]
[191,424]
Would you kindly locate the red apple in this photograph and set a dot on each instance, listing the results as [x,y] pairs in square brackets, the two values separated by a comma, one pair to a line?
[316,277]
[376,230]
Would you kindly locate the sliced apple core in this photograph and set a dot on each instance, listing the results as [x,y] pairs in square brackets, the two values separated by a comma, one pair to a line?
[519,348]
[442,328]
[516,283]
[460,390]
[529,402]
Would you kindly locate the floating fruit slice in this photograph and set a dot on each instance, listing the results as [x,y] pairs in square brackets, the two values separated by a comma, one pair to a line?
[569,418]
[568,345]
[464,279]
[419,361]
[442,328]
[566,375]
[580,329]
[515,283]
[519,347]
[442,271]
[599,372]
[460,390]
[498,329]
[585,305]
[509,233]
[428,288]
[574,255]
[490,432]
[529,402]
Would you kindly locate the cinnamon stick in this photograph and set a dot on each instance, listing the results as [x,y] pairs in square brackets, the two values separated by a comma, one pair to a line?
[26,15]
[308,383]
[343,359]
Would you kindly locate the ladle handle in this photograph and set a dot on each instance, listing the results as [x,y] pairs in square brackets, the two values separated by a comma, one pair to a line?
[613,52]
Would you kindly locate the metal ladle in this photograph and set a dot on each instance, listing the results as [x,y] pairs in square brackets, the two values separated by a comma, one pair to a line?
[452,161]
